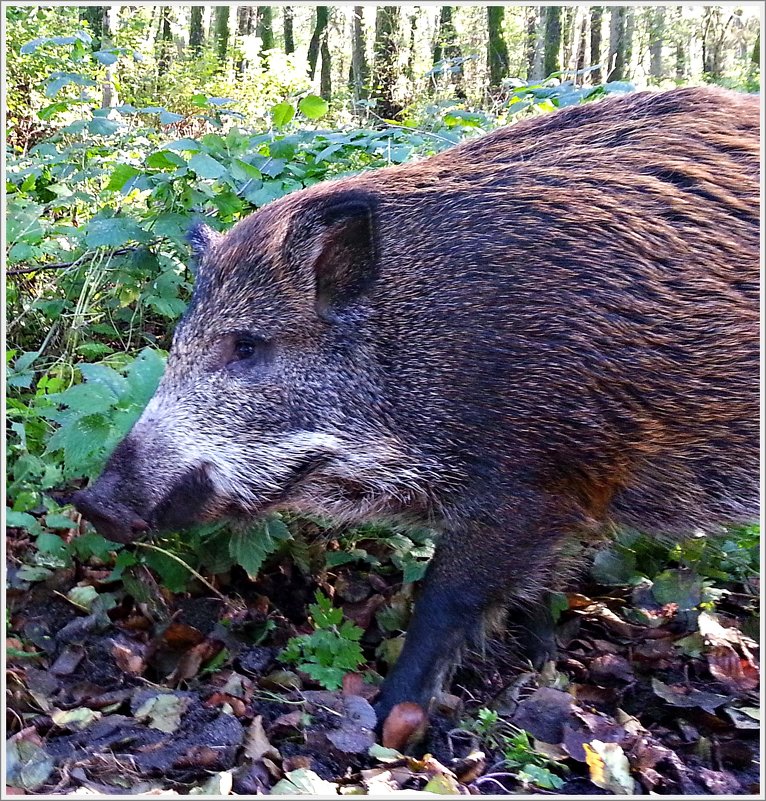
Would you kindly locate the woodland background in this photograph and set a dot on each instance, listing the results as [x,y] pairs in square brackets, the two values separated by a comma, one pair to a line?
[212,659]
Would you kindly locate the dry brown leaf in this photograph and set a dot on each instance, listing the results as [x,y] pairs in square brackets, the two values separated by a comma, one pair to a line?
[257,745]
[737,674]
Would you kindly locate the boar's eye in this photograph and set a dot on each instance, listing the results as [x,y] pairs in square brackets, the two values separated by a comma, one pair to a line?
[247,347]
[244,348]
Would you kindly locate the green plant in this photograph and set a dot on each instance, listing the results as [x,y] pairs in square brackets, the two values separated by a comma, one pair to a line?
[331,650]
[519,754]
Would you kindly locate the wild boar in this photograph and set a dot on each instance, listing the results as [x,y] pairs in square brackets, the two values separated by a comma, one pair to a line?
[542,332]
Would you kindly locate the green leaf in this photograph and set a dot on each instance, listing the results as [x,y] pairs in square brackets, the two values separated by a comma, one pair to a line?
[313,107]
[48,112]
[113,232]
[169,118]
[164,160]
[188,145]
[104,375]
[106,57]
[144,375]
[121,174]
[100,126]
[58,520]
[206,166]
[282,114]
[21,520]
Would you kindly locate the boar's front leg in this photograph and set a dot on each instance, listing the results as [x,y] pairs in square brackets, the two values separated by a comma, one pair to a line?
[472,572]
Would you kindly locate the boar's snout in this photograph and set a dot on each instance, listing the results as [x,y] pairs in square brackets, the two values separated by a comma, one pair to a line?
[112,518]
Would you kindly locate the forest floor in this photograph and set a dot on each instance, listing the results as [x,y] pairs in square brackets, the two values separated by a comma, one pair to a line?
[654,691]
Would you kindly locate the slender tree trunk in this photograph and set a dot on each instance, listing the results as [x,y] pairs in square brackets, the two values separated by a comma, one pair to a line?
[109,23]
[264,28]
[630,26]
[617,44]
[656,42]
[582,46]
[596,20]
[196,32]
[551,57]
[322,18]
[221,27]
[497,50]
[325,72]
[245,24]
[360,70]
[447,48]
[410,71]
[755,58]
[94,16]
[287,23]
[387,23]
[567,35]
[533,14]
[164,41]
[680,45]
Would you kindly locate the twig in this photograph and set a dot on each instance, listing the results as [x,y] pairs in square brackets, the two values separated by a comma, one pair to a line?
[181,562]
[62,265]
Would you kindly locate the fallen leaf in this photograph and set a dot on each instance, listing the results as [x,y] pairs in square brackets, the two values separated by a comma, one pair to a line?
[677,695]
[304,782]
[736,674]
[163,710]
[257,744]
[746,717]
[609,767]
[27,764]
[443,784]
[74,719]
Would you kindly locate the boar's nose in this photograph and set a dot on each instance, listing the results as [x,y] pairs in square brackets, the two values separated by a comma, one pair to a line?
[112,519]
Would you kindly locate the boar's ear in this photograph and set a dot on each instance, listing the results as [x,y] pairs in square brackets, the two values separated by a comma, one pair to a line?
[341,252]
[200,238]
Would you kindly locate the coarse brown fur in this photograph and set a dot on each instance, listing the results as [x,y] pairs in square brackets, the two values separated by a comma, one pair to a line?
[536,334]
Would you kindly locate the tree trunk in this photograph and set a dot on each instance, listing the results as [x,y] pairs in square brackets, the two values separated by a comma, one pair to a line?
[533,14]
[387,19]
[616,67]
[109,22]
[582,46]
[551,61]
[755,58]
[94,16]
[164,41]
[245,23]
[264,28]
[325,73]
[446,48]
[681,41]
[497,50]
[221,27]
[410,70]
[567,35]
[360,70]
[196,32]
[596,20]
[656,42]
[287,23]
[322,18]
